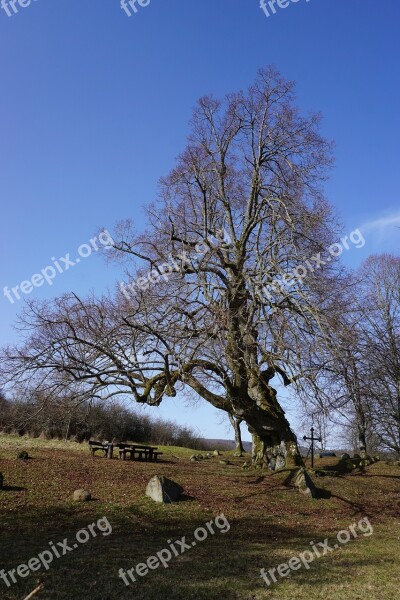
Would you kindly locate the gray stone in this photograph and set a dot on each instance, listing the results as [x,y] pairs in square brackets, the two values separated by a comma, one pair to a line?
[347,465]
[200,457]
[82,496]
[225,462]
[345,456]
[319,473]
[217,453]
[304,483]
[280,462]
[193,459]
[161,489]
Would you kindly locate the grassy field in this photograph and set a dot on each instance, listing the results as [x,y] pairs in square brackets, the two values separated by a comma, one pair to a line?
[270,522]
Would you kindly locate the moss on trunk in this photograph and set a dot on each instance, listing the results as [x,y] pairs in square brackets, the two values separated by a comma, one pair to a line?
[272,453]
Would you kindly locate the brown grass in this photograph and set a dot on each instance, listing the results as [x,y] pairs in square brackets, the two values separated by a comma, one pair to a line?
[270,522]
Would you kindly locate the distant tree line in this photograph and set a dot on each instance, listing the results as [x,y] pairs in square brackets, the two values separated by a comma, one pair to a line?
[63,419]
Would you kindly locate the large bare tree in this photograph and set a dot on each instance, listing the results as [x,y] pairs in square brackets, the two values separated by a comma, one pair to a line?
[201,307]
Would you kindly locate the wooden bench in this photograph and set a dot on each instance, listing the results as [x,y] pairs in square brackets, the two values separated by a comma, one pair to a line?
[105,447]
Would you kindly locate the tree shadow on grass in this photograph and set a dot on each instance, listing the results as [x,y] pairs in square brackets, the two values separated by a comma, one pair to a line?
[223,565]
[187,498]
[13,488]
[356,506]
[323,494]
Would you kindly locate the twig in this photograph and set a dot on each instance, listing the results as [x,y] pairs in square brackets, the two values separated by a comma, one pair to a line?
[35,591]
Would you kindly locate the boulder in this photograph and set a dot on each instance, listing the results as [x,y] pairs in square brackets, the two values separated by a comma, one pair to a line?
[280,462]
[320,473]
[82,495]
[347,466]
[200,457]
[304,483]
[193,459]
[225,462]
[217,453]
[326,473]
[345,456]
[163,490]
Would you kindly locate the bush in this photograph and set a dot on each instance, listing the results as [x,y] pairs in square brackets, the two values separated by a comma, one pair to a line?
[60,419]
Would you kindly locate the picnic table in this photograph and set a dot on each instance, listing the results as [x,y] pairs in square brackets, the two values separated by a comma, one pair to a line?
[135,451]
[138,452]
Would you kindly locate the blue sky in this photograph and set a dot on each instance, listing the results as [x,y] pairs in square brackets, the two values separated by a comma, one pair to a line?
[94,108]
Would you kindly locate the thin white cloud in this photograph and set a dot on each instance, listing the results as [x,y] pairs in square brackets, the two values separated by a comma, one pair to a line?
[382,233]
[382,224]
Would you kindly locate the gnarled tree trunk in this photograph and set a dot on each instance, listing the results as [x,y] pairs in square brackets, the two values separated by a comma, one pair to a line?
[274,452]
[274,443]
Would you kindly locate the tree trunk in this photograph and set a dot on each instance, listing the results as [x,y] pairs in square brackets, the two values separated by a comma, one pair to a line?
[277,450]
[274,443]
[362,431]
[362,443]
[238,434]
